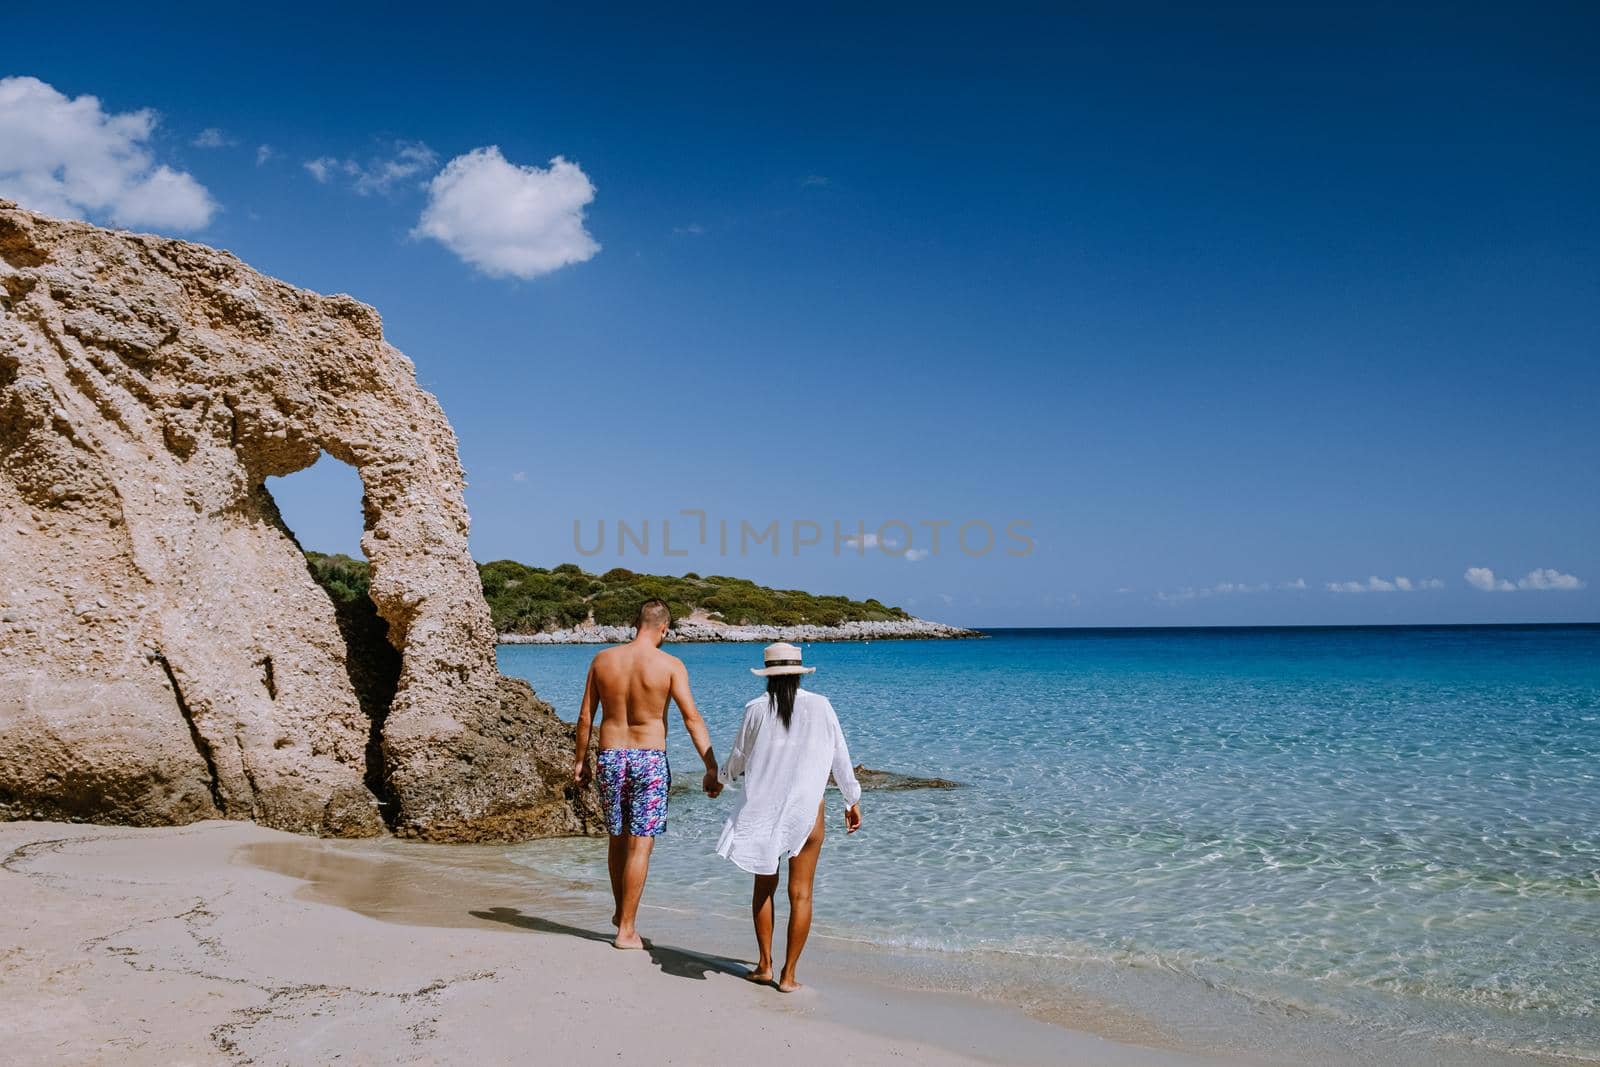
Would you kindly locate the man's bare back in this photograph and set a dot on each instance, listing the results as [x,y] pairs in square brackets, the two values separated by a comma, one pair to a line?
[630,685]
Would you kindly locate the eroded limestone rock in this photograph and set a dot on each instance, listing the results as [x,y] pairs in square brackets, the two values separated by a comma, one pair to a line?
[164,653]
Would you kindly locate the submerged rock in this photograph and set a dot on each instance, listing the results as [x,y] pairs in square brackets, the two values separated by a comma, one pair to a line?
[165,655]
[870,780]
[890,781]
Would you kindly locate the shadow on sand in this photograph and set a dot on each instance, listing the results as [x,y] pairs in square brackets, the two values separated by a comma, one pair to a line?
[678,962]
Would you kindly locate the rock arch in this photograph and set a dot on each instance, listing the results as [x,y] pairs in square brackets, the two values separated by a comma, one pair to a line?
[164,653]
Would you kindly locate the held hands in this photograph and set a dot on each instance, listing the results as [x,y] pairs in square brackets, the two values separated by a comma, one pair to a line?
[711,784]
[852,818]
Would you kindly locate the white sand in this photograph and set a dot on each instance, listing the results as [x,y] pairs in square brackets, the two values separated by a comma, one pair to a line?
[176,946]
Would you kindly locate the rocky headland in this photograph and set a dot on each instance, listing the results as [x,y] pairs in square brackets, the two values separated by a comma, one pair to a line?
[878,630]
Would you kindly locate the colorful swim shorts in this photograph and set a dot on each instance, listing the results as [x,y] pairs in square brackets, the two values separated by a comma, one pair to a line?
[633,790]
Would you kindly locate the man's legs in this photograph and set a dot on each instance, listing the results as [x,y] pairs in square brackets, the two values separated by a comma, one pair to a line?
[761,911]
[635,869]
[611,777]
[616,859]
[645,787]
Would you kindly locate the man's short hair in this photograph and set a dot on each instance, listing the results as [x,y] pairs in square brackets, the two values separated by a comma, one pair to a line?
[653,613]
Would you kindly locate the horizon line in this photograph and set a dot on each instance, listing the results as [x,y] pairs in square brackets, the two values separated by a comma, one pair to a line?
[1308,626]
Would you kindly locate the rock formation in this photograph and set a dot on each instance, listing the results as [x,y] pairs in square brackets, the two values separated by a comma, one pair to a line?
[889,781]
[165,655]
[870,781]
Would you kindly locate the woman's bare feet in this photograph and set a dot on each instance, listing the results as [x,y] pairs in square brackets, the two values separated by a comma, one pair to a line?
[758,974]
[788,984]
[631,939]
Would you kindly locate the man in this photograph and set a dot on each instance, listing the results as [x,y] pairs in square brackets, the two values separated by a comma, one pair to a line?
[632,684]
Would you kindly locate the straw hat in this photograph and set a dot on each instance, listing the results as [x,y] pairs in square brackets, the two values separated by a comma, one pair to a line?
[781,658]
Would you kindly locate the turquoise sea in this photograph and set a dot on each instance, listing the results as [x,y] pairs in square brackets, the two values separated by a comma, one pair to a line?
[1394,828]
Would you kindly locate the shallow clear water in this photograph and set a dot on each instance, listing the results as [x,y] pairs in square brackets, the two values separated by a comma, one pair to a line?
[1401,826]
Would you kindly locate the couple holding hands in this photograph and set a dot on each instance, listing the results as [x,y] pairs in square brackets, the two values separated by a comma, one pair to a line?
[787,746]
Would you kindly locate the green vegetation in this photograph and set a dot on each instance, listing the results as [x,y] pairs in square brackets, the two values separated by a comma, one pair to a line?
[526,599]
[344,578]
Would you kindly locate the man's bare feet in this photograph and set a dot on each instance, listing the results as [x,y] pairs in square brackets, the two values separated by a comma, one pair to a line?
[788,985]
[628,940]
[761,975]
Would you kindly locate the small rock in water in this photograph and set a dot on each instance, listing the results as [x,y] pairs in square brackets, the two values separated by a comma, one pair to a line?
[890,781]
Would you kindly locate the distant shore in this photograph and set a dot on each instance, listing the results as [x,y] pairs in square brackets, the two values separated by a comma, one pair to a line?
[888,630]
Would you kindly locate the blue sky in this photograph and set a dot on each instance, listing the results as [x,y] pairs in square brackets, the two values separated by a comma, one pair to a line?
[1218,303]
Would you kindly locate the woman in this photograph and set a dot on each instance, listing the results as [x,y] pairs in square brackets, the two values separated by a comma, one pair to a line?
[788,744]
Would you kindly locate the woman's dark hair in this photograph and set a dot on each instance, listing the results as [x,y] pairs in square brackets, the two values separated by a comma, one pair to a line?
[781,689]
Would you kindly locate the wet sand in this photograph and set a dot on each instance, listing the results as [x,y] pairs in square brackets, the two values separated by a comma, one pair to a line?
[224,942]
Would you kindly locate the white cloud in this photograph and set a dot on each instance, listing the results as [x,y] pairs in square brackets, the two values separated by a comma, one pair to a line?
[694,229]
[322,169]
[506,220]
[1541,578]
[814,181]
[211,137]
[66,156]
[1483,578]
[1298,583]
[1550,578]
[889,547]
[380,174]
[519,476]
[1220,589]
[1374,584]
[264,153]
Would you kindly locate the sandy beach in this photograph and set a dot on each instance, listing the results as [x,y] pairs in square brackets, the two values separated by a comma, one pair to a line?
[224,942]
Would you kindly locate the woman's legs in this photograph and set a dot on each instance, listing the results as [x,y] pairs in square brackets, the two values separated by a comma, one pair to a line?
[761,911]
[802,869]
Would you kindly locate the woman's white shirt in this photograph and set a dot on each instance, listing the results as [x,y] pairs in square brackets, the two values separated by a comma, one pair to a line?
[785,773]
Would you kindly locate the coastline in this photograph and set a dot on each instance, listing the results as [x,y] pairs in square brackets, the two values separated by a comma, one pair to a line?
[227,942]
[707,632]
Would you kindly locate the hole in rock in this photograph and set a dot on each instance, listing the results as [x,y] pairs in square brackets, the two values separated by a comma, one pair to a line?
[322,505]
[322,508]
